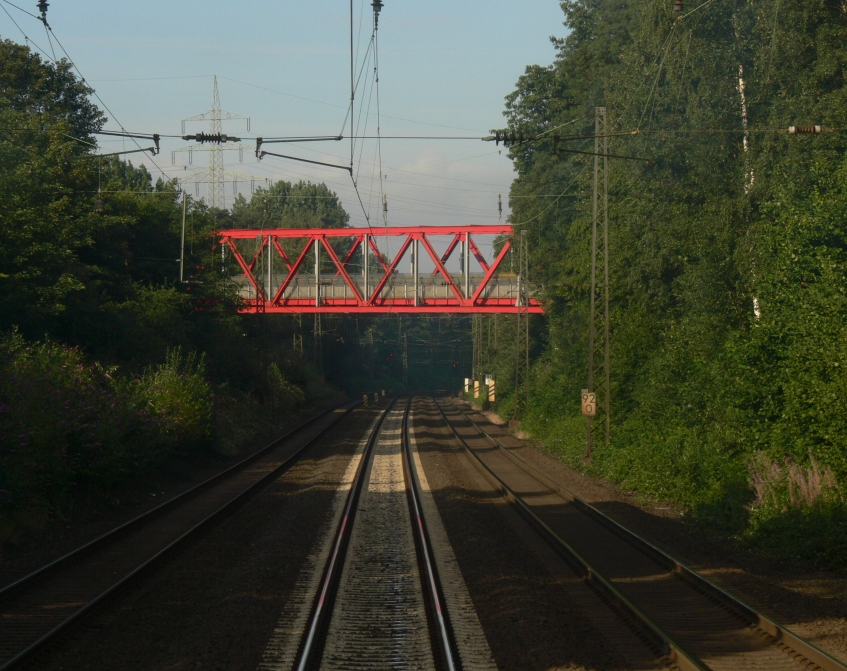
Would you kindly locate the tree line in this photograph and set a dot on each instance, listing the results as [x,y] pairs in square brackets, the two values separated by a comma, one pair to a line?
[727,255]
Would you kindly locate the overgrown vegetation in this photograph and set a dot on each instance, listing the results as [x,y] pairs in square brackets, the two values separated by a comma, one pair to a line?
[111,369]
[728,259]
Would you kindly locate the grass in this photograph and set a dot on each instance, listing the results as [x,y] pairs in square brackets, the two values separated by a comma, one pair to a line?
[779,508]
[72,431]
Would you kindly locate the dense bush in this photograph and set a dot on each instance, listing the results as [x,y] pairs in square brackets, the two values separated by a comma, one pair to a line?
[728,252]
[178,399]
[68,428]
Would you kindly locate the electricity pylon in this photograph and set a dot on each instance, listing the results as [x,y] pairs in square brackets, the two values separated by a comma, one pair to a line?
[217,175]
[598,324]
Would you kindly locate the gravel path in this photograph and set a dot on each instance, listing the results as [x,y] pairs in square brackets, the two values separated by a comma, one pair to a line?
[218,603]
[811,603]
[535,614]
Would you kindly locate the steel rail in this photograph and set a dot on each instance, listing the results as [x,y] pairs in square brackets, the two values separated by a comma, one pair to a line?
[719,596]
[660,642]
[113,535]
[445,636]
[322,608]
[154,512]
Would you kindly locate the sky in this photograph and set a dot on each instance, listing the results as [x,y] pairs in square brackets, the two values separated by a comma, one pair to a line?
[444,70]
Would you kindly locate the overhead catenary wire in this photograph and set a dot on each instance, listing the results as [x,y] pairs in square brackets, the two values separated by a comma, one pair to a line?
[357,138]
[26,37]
[12,4]
[106,107]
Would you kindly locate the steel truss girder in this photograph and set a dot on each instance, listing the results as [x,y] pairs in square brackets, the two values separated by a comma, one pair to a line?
[370,298]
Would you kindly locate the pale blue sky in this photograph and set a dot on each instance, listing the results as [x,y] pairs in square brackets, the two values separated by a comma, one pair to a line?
[445,68]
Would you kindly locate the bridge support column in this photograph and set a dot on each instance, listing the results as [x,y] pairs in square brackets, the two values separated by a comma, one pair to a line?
[415,272]
[270,290]
[317,273]
[466,257]
[365,242]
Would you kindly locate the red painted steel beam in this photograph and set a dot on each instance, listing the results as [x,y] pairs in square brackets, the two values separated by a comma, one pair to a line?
[331,307]
[377,232]
[478,254]
[446,255]
[373,303]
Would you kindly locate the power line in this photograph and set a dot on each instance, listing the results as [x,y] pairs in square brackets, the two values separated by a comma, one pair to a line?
[26,37]
[71,61]
[37,18]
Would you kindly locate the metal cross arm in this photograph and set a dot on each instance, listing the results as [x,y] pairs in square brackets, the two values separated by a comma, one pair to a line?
[262,154]
[137,136]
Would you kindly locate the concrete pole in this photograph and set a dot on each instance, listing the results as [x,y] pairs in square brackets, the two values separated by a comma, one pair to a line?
[182,244]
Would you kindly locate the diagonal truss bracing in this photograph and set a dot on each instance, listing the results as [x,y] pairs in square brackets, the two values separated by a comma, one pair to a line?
[343,270]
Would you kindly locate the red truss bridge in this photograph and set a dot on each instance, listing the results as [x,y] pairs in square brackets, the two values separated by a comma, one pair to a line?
[341,270]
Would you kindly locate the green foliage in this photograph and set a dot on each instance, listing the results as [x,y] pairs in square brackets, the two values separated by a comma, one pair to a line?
[287,205]
[286,396]
[184,371]
[93,430]
[718,221]
[177,397]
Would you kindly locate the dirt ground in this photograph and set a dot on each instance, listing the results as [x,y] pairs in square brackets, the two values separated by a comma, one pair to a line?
[535,613]
[217,603]
[93,519]
[811,603]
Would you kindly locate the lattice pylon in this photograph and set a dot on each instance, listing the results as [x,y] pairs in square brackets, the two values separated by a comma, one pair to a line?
[216,157]
[598,328]
[217,175]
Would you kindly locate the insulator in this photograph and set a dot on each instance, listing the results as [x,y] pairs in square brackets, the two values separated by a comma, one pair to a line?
[678,6]
[98,204]
[805,130]
[42,7]
[210,137]
[377,5]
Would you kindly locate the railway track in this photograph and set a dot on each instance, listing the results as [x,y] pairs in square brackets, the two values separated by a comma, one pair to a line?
[37,607]
[380,603]
[690,623]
